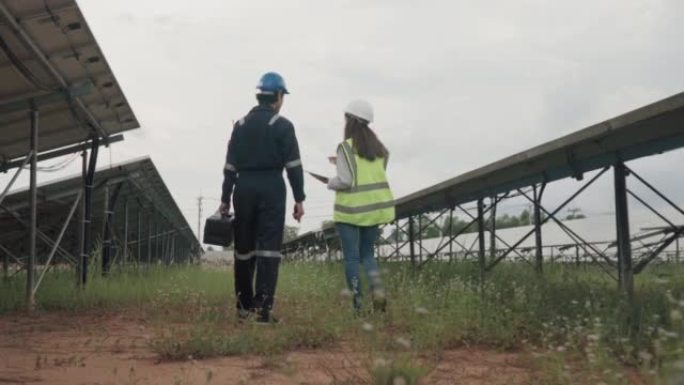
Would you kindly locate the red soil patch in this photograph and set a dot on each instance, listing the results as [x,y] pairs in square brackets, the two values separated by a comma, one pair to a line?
[92,348]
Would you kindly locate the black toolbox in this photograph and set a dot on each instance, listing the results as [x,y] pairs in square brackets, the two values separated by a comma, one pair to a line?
[218,230]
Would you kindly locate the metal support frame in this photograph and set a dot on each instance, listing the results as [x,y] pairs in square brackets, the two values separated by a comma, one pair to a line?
[58,241]
[572,234]
[452,238]
[20,163]
[676,231]
[451,231]
[33,202]
[503,241]
[15,176]
[139,237]
[82,223]
[420,238]
[624,245]
[539,256]
[88,180]
[125,235]
[492,229]
[549,216]
[481,239]
[107,233]
[149,240]
[5,266]
[412,242]
[8,254]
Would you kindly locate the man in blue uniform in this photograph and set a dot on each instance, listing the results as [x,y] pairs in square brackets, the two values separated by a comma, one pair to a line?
[262,144]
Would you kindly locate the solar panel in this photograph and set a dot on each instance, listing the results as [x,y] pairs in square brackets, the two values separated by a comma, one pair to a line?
[50,60]
[652,129]
[142,190]
[649,130]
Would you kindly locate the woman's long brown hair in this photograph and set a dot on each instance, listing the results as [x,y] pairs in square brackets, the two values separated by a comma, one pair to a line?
[366,143]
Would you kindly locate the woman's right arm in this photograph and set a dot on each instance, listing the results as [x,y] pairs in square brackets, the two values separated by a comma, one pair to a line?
[343,180]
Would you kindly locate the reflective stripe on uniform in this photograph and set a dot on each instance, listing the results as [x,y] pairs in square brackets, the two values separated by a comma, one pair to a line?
[230,167]
[364,209]
[273,119]
[258,253]
[268,253]
[368,187]
[245,256]
[293,163]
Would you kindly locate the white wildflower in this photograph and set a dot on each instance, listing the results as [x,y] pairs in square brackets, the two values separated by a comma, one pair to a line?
[646,356]
[422,310]
[403,342]
[380,363]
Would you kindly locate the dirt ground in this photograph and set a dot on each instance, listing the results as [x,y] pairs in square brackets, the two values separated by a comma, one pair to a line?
[62,348]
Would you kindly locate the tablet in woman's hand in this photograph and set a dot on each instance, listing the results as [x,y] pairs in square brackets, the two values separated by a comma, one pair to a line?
[321,178]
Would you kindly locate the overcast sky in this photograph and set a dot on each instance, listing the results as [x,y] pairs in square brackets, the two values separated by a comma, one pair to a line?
[455,84]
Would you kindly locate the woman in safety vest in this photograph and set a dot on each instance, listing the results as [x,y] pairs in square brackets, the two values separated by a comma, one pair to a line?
[363,200]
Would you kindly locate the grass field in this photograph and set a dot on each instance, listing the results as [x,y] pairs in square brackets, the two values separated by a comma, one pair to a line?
[570,322]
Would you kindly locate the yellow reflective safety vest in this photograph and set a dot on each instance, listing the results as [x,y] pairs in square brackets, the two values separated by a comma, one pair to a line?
[369,201]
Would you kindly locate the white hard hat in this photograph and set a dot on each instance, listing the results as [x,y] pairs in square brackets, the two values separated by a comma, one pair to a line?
[360,109]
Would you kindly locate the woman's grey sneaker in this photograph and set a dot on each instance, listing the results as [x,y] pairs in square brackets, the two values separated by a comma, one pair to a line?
[379,301]
[243,314]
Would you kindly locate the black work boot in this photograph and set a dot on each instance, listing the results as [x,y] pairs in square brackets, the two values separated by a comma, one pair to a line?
[266,317]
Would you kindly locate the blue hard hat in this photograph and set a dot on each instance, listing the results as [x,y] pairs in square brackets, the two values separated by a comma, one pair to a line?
[271,83]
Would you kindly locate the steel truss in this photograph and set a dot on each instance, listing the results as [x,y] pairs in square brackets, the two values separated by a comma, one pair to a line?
[161,243]
[631,255]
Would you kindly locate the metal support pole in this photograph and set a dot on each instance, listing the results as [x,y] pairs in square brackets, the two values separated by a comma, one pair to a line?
[539,255]
[412,246]
[624,247]
[156,238]
[165,248]
[88,209]
[139,238]
[82,223]
[106,237]
[451,232]
[420,238]
[397,235]
[149,240]
[5,266]
[481,239]
[173,249]
[33,201]
[125,234]
[492,231]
